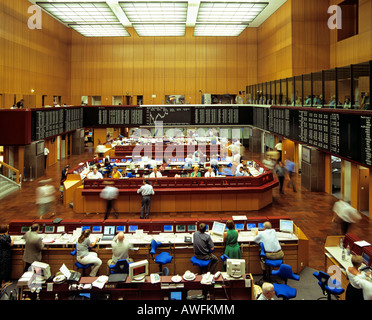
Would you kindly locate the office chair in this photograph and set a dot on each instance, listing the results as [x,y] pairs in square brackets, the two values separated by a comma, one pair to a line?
[161,259]
[79,265]
[330,287]
[121,266]
[269,264]
[224,257]
[284,291]
[202,264]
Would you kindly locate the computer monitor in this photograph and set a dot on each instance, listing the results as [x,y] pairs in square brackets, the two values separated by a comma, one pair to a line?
[261,225]
[120,228]
[85,228]
[168,228]
[133,228]
[251,226]
[97,229]
[49,229]
[41,269]
[191,228]
[235,268]
[218,228]
[180,228]
[286,226]
[109,230]
[366,258]
[24,229]
[123,160]
[239,226]
[138,270]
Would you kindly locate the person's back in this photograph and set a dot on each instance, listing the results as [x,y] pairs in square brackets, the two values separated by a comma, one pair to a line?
[232,249]
[33,246]
[120,247]
[202,243]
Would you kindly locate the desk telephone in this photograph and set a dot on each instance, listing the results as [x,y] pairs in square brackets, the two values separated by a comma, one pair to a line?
[207,278]
[155,278]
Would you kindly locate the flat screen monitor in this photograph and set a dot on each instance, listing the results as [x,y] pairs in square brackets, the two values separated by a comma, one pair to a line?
[191,228]
[286,226]
[366,258]
[179,159]
[235,268]
[168,228]
[218,228]
[97,229]
[133,228]
[176,295]
[250,226]
[261,225]
[99,161]
[138,270]
[85,228]
[239,226]
[109,230]
[173,160]
[123,160]
[120,228]
[24,229]
[180,228]
[49,229]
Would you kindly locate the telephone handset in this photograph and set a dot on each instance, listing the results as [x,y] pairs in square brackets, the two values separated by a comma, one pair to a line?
[208,277]
[155,278]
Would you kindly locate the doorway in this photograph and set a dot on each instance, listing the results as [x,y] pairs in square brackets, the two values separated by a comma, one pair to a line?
[336,177]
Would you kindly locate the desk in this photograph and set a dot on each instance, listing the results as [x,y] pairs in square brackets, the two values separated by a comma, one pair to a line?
[221,289]
[58,247]
[70,184]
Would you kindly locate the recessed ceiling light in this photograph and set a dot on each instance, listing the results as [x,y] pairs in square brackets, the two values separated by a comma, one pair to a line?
[218,30]
[160,30]
[104,30]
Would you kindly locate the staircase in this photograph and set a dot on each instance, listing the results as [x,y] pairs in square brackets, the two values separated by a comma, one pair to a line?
[7,187]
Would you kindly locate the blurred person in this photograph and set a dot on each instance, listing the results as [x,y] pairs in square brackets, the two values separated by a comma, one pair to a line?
[345,214]
[291,169]
[45,196]
[280,171]
[110,193]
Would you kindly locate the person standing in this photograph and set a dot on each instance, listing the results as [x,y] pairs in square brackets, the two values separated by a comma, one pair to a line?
[6,242]
[63,179]
[110,193]
[33,246]
[84,256]
[230,238]
[346,214]
[146,191]
[278,148]
[291,169]
[280,171]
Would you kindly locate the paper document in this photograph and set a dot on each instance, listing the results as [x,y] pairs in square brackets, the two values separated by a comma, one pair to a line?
[362,243]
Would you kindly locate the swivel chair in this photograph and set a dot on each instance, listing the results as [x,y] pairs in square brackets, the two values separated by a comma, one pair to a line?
[79,265]
[284,291]
[161,259]
[121,266]
[269,264]
[202,264]
[224,257]
[330,287]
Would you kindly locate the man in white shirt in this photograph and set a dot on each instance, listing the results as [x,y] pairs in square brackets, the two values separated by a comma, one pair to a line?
[109,193]
[155,173]
[95,174]
[120,247]
[147,191]
[209,173]
[268,291]
[272,246]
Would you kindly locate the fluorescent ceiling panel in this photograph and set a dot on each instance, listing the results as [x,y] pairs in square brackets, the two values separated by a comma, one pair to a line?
[77,13]
[218,30]
[160,30]
[155,12]
[229,12]
[97,30]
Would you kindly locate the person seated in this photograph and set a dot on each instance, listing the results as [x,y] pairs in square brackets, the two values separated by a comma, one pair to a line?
[120,247]
[268,291]
[240,172]
[354,291]
[155,173]
[116,174]
[188,162]
[95,174]
[203,247]
[196,172]
[209,173]
[84,256]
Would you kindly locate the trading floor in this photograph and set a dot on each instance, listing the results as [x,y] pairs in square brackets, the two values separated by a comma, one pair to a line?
[310,211]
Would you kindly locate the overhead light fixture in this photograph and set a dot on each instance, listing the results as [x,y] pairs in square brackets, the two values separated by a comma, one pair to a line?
[155,12]
[160,30]
[229,12]
[80,12]
[101,30]
[219,30]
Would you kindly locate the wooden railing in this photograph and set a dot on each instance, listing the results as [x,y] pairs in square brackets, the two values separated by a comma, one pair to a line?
[16,171]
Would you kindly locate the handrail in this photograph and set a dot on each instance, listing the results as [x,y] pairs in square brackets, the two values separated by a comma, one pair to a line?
[16,171]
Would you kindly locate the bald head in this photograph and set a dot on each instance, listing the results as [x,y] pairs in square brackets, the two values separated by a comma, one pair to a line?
[120,236]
